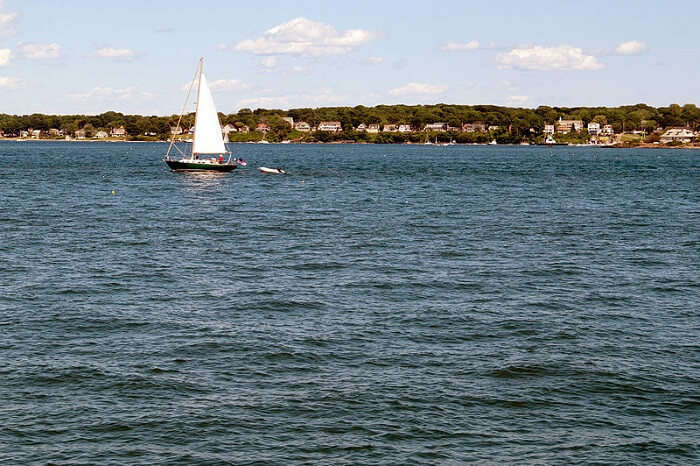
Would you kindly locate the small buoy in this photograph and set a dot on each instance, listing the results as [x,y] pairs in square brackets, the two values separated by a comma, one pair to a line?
[114,192]
[302,181]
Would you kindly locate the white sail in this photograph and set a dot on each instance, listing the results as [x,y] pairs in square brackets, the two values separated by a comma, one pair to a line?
[207,131]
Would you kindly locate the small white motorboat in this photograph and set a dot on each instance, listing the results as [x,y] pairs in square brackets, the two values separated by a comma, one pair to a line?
[274,171]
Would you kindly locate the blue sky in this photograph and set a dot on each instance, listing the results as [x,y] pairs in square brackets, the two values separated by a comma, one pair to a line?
[135,56]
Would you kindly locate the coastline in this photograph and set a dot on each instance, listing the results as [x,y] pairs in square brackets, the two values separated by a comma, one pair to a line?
[614,146]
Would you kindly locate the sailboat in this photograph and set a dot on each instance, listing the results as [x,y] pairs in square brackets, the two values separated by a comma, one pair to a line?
[207,140]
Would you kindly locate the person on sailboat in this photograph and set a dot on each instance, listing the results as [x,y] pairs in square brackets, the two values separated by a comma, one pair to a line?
[221,158]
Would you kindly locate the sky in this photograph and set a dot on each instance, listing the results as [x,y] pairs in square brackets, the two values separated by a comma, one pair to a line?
[88,57]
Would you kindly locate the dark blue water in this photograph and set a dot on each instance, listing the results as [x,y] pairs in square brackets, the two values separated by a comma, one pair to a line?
[379,305]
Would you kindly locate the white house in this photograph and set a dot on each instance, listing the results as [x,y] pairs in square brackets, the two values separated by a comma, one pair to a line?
[607,130]
[101,134]
[229,128]
[682,135]
[330,126]
[373,128]
[302,126]
[361,128]
[175,130]
[404,128]
[436,127]
[390,129]
[593,128]
[289,120]
[548,129]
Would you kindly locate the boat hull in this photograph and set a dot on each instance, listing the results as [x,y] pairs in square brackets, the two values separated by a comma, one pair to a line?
[180,165]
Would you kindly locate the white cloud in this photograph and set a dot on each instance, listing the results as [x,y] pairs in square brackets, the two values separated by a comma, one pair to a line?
[298,69]
[40,51]
[323,97]
[8,82]
[113,93]
[5,55]
[269,62]
[7,21]
[112,52]
[226,85]
[632,47]
[302,36]
[418,88]
[265,102]
[518,100]
[539,58]
[375,60]
[471,45]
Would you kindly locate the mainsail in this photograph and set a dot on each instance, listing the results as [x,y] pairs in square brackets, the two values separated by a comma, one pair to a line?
[207,131]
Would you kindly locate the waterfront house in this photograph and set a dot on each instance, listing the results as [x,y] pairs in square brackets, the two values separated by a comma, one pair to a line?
[175,130]
[405,128]
[229,128]
[453,129]
[682,135]
[361,128]
[262,128]
[593,128]
[390,129]
[101,134]
[24,134]
[607,130]
[373,128]
[476,127]
[548,129]
[494,127]
[80,134]
[36,134]
[567,126]
[289,120]
[330,126]
[302,126]
[435,127]
[55,132]
[118,132]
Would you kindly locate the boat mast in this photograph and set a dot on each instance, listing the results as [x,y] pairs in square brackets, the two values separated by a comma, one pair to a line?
[179,120]
[196,109]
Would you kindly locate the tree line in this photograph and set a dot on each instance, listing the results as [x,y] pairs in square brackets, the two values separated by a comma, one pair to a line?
[514,123]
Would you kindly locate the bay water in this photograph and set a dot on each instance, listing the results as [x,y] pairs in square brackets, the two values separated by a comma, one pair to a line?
[377,305]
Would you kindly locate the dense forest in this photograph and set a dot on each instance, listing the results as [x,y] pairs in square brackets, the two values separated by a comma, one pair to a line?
[515,124]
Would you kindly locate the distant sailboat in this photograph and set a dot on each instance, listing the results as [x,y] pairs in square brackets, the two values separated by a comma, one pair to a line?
[207,138]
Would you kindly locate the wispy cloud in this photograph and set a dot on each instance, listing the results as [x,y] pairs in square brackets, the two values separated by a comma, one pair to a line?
[454,46]
[632,47]
[562,58]
[113,93]
[269,62]
[115,53]
[518,100]
[7,21]
[40,51]
[418,88]
[227,85]
[302,36]
[5,56]
[8,82]
[375,60]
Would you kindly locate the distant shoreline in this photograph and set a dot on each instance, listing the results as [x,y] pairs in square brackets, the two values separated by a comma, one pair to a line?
[614,146]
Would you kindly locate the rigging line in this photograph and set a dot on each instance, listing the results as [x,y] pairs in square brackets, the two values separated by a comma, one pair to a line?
[184,106]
